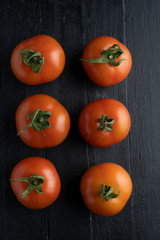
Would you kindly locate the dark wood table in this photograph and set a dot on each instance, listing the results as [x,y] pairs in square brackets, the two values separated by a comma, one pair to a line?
[74,24]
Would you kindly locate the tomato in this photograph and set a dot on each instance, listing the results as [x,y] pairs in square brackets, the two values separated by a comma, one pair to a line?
[106,188]
[104,122]
[35,182]
[106,61]
[42,121]
[38,60]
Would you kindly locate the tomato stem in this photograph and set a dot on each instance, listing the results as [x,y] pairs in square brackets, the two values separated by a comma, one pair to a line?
[108,56]
[32,59]
[34,182]
[105,123]
[39,121]
[107,193]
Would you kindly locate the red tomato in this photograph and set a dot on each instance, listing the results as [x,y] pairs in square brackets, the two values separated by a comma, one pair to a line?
[42,121]
[104,122]
[38,60]
[42,190]
[106,188]
[110,69]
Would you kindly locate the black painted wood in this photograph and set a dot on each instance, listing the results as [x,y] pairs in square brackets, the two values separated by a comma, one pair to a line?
[74,24]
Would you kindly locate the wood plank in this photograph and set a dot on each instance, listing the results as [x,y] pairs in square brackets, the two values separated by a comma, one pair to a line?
[74,24]
[143,98]
[107,18]
[67,219]
[20,20]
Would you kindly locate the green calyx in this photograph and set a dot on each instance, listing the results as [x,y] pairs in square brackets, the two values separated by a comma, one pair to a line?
[105,123]
[107,193]
[32,59]
[39,121]
[109,56]
[34,182]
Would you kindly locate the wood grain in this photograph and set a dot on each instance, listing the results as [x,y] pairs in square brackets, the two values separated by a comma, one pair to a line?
[74,24]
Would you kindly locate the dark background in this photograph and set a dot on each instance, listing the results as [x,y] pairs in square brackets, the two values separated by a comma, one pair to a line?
[74,24]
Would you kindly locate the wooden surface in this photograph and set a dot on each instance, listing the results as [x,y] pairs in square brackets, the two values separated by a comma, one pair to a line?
[74,24]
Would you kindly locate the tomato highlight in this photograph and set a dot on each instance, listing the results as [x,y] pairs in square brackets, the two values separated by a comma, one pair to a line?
[106,61]
[105,188]
[41,121]
[35,182]
[37,60]
[104,122]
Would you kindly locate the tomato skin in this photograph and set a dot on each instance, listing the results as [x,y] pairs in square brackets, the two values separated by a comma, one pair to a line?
[103,73]
[59,120]
[89,122]
[110,174]
[54,60]
[51,186]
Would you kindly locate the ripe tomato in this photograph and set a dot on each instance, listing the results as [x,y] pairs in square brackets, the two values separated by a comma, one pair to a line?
[35,182]
[106,188]
[42,121]
[104,122]
[106,61]
[38,60]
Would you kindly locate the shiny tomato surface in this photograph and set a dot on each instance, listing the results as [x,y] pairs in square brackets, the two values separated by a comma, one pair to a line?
[51,51]
[89,125]
[59,121]
[105,74]
[112,175]
[50,188]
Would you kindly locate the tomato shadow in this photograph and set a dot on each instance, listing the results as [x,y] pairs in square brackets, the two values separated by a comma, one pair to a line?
[8,131]
[71,193]
[75,69]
